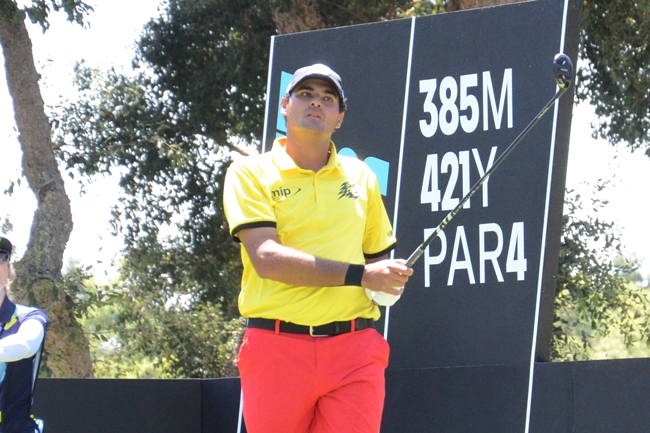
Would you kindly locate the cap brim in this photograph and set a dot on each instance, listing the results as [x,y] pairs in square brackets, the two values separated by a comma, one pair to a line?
[318,77]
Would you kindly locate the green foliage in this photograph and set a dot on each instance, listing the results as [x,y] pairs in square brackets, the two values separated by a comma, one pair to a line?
[209,62]
[161,319]
[136,333]
[170,179]
[132,338]
[6,227]
[613,346]
[420,8]
[39,11]
[594,295]
[614,40]
[75,282]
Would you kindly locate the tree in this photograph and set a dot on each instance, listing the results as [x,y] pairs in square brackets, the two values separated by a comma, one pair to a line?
[39,271]
[594,293]
[615,41]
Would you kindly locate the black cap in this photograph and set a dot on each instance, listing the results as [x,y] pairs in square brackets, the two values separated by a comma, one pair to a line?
[321,72]
[5,245]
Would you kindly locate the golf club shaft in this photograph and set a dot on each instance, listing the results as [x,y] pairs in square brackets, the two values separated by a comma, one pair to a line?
[420,250]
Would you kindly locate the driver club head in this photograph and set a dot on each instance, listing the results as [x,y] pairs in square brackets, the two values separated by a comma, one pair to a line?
[563,70]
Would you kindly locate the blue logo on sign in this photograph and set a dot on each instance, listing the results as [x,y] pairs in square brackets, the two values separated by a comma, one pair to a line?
[281,125]
[378,166]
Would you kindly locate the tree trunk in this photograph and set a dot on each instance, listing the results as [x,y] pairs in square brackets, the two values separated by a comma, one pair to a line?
[39,272]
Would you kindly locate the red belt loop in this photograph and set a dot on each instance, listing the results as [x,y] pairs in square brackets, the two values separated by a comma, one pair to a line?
[277,327]
[353,325]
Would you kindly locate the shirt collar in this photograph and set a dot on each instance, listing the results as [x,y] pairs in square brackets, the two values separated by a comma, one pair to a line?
[284,161]
[7,310]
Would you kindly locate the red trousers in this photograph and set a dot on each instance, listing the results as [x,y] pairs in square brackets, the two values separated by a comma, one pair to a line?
[301,384]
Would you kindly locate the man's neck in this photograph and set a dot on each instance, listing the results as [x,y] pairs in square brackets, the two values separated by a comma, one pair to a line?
[308,152]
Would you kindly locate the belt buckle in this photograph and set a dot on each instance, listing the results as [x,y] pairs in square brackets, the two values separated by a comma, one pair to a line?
[311,332]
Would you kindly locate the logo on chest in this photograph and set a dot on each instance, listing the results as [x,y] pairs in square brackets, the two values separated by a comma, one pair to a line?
[348,191]
[284,193]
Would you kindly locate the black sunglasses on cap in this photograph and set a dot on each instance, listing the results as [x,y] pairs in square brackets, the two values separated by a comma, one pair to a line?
[4,256]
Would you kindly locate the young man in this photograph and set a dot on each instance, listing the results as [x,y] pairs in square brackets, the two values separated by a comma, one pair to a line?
[314,232]
[22,330]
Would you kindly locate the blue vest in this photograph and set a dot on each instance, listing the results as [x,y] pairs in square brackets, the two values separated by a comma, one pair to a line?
[18,377]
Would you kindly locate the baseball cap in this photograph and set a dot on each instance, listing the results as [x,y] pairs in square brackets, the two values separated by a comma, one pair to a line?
[322,72]
[5,245]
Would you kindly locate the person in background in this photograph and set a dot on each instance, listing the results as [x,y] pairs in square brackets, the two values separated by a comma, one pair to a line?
[22,332]
[314,234]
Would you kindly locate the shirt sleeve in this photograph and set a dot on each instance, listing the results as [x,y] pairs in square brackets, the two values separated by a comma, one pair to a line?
[23,343]
[247,202]
[379,238]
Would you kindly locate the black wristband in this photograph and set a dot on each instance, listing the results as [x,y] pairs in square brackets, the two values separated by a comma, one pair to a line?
[354,275]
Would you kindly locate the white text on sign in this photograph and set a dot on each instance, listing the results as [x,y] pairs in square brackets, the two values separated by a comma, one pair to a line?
[467,112]
[455,166]
[461,257]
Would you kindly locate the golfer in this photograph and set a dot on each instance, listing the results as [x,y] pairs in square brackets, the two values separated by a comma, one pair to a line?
[314,232]
[22,333]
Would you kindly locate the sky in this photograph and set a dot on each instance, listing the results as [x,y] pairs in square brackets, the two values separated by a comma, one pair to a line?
[109,41]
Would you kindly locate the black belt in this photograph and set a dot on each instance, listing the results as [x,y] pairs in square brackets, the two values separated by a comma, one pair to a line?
[327,330]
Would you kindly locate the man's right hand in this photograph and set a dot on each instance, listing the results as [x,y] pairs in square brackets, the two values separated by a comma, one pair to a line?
[387,276]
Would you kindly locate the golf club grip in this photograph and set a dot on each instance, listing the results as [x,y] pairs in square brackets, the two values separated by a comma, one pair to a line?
[415,255]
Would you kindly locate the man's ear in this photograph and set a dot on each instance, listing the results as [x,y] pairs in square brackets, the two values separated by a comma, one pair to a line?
[339,122]
[283,103]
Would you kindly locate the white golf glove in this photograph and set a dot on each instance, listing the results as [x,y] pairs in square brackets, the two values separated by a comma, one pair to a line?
[382,298]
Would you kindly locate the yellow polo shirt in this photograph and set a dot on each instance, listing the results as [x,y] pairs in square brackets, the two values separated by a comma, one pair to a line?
[336,213]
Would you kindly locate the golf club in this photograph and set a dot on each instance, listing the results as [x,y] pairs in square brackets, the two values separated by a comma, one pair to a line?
[563,72]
